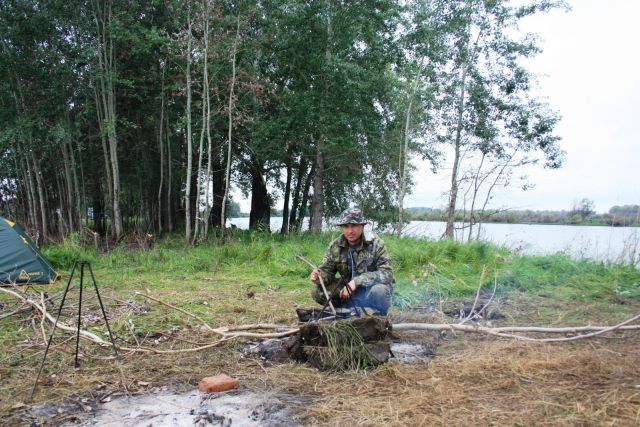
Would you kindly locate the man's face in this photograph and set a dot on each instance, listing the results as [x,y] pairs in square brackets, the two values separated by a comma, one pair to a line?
[352,232]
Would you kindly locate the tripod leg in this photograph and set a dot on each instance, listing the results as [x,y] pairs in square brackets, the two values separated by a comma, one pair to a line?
[104,314]
[324,307]
[106,322]
[46,351]
[75,364]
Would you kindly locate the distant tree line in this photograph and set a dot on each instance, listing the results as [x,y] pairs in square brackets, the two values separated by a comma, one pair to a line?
[141,114]
[618,216]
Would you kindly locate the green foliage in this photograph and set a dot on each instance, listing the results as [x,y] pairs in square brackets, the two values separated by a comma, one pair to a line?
[63,256]
[423,268]
[334,78]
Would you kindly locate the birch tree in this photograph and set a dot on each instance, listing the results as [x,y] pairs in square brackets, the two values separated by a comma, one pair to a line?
[106,88]
[230,107]
[487,92]
[189,141]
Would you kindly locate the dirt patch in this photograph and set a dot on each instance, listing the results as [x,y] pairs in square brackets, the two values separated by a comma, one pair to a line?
[166,407]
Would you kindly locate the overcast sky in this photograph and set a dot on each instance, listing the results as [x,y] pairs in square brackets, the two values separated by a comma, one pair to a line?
[589,71]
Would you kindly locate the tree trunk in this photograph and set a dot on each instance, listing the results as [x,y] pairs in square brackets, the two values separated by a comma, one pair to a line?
[107,79]
[68,181]
[295,204]
[227,182]
[81,211]
[317,202]
[117,214]
[285,205]
[403,160]
[218,190]
[453,194]
[305,198]
[161,150]
[207,99]
[98,209]
[22,199]
[105,150]
[76,205]
[77,195]
[62,226]
[260,215]
[41,196]
[196,228]
[31,194]
[169,178]
[201,218]
[187,196]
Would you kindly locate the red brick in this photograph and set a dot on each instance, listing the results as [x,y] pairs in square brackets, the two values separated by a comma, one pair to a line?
[218,383]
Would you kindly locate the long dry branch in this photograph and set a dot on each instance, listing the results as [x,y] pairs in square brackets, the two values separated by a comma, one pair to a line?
[227,333]
[507,331]
[85,334]
[159,301]
[13,313]
[230,331]
[242,331]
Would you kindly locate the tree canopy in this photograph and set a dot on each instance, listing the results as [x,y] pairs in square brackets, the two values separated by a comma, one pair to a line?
[121,115]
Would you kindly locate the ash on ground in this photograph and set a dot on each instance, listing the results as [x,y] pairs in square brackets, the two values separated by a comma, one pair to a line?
[193,408]
[407,352]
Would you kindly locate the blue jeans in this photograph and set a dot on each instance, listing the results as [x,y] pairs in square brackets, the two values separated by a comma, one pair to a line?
[377,297]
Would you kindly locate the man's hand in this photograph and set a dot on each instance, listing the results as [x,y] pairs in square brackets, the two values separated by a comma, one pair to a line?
[315,276]
[348,290]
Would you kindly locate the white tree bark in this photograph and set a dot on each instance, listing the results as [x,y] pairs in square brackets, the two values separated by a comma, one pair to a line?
[187,195]
[223,216]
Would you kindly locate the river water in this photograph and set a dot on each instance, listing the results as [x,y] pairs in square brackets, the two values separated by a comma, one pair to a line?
[611,244]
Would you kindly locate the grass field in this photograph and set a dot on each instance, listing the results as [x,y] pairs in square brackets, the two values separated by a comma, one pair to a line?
[255,278]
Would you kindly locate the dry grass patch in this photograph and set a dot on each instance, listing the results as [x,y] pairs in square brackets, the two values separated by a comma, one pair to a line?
[473,380]
[487,382]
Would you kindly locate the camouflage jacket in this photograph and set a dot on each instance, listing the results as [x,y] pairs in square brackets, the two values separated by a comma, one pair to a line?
[372,261]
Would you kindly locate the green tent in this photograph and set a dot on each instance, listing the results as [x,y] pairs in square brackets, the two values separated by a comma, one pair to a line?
[20,259]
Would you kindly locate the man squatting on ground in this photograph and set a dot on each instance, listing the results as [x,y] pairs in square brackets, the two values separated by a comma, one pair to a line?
[363,263]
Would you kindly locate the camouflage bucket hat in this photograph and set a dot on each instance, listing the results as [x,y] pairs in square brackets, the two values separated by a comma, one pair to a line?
[351,216]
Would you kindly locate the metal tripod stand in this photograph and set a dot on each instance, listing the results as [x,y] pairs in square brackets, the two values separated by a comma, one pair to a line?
[82,265]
